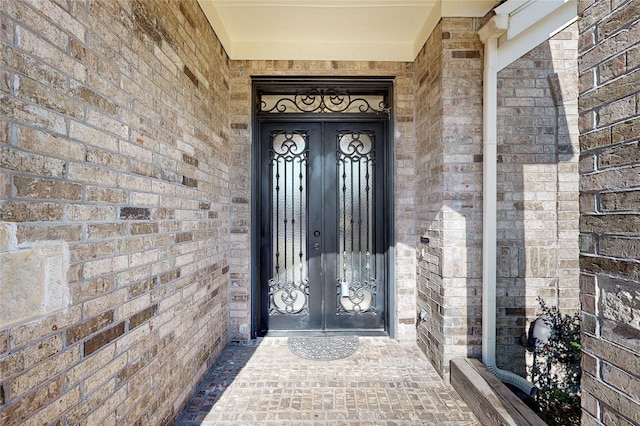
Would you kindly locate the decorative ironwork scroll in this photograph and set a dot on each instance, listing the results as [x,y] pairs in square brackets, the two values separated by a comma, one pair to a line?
[323,101]
[357,284]
[289,284]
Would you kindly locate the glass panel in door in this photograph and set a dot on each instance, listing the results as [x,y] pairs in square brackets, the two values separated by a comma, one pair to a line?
[355,298]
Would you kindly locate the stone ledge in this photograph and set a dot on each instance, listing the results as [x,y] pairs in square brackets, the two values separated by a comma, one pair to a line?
[489,399]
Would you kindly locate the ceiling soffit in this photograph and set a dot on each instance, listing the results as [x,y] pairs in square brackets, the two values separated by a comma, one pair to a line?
[363,30]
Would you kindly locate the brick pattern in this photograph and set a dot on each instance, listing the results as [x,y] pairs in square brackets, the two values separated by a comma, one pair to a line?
[240,158]
[383,383]
[538,124]
[537,190]
[449,190]
[129,141]
[609,118]
[429,186]
[114,139]
[462,191]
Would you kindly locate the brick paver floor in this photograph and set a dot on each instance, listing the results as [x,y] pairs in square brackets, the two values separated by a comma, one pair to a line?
[383,383]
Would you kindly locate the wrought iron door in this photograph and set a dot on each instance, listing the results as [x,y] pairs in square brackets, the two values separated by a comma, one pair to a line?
[322,222]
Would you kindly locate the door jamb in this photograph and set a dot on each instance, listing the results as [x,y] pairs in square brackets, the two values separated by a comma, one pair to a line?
[380,83]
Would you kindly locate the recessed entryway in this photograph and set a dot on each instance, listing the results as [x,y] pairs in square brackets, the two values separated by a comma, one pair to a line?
[322,211]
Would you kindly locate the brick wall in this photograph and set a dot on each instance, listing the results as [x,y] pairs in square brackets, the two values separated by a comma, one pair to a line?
[240,155]
[609,105]
[114,212]
[449,190]
[429,187]
[462,192]
[537,190]
[537,174]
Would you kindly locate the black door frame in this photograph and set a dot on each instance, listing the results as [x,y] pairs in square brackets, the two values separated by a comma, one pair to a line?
[288,85]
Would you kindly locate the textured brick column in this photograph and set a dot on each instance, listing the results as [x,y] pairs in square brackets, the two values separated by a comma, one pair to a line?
[449,190]
[609,107]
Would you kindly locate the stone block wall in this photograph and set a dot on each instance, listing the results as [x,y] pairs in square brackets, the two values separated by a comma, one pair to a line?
[537,190]
[114,228]
[609,108]
[449,191]
[240,158]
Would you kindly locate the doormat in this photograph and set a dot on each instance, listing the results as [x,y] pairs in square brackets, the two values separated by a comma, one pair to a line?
[325,348]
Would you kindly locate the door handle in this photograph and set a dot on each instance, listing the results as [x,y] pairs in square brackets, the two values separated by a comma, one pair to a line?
[316,246]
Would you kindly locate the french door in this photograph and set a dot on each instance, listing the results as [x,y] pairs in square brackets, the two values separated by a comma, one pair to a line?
[322,221]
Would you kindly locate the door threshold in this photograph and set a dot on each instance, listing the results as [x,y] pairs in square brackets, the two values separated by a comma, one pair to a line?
[325,333]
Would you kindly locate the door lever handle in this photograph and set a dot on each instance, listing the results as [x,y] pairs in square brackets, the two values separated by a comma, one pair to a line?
[316,246]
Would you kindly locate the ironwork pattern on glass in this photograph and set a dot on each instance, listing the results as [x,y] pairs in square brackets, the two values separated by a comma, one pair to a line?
[323,101]
[357,284]
[289,284]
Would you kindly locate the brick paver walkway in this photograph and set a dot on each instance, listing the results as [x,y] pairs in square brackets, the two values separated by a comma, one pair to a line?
[383,383]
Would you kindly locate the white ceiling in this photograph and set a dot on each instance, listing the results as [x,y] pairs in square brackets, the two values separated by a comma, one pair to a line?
[363,30]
